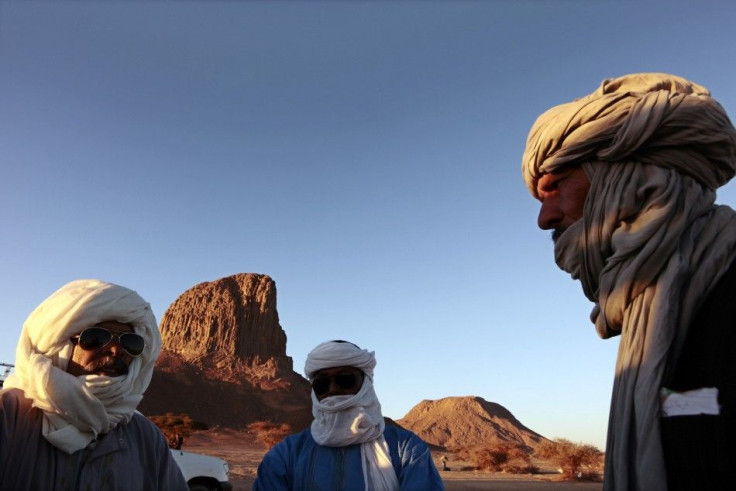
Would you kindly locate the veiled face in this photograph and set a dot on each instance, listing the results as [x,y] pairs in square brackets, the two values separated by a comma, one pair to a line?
[562,195]
[334,382]
[110,360]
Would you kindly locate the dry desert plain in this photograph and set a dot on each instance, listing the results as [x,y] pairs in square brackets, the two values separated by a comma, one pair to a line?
[243,453]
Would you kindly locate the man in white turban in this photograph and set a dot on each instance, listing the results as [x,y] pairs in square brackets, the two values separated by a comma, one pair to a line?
[68,415]
[348,446]
[627,177]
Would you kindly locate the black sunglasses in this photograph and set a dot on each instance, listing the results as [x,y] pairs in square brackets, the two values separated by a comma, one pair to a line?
[321,383]
[96,337]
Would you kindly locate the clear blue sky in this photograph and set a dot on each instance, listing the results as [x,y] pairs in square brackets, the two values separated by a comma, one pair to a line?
[365,155]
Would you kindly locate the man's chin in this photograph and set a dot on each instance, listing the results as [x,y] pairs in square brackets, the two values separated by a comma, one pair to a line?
[115,369]
[111,372]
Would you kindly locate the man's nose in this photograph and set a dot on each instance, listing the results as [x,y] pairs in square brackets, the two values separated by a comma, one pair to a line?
[114,346]
[549,214]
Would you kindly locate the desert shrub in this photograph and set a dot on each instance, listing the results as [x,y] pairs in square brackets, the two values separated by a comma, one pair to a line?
[577,460]
[269,433]
[502,457]
[171,423]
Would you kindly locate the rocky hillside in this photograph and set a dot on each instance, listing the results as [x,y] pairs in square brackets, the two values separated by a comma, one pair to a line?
[224,357]
[462,422]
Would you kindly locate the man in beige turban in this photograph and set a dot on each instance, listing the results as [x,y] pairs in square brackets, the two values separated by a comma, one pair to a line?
[67,413]
[626,177]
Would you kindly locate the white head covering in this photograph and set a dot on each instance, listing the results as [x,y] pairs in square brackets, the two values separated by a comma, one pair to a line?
[339,353]
[352,419]
[651,243]
[77,409]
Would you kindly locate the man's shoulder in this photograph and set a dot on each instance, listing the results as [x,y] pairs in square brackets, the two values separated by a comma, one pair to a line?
[296,442]
[396,435]
[399,434]
[140,424]
[300,437]
[14,398]
[17,413]
[141,420]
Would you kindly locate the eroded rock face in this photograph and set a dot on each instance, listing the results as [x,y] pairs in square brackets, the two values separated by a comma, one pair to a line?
[224,359]
[229,321]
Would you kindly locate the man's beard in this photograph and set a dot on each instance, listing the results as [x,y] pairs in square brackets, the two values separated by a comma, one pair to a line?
[106,364]
[569,245]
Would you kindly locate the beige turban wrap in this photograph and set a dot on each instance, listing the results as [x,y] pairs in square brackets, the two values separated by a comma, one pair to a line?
[651,243]
[650,118]
[77,409]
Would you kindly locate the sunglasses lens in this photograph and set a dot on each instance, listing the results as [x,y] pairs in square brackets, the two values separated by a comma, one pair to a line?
[345,380]
[93,338]
[132,343]
[97,337]
[320,385]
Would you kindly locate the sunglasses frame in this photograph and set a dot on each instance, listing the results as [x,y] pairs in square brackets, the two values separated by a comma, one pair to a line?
[113,335]
[336,378]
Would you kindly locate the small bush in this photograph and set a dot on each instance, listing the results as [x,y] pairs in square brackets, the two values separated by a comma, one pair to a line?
[269,433]
[171,423]
[577,460]
[503,457]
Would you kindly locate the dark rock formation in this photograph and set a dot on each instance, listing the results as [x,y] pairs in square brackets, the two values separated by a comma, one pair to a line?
[233,319]
[224,359]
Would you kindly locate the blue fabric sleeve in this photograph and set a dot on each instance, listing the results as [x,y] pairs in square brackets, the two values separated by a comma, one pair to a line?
[273,471]
[417,471]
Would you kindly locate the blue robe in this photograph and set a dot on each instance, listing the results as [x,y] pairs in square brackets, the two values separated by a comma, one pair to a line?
[299,463]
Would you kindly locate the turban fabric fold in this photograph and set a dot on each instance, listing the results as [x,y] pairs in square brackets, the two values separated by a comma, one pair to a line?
[650,118]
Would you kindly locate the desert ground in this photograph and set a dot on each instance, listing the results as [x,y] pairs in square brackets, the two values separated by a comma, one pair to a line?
[243,453]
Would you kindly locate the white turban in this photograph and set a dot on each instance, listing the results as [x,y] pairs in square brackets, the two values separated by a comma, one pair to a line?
[352,419]
[339,354]
[77,409]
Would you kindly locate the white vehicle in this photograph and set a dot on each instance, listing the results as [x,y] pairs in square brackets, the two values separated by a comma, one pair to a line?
[203,472]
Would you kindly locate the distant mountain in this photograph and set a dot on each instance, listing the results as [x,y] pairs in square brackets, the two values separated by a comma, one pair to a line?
[462,422]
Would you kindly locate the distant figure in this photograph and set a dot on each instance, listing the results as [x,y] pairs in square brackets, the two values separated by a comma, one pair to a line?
[444,463]
[348,446]
[627,180]
[68,415]
[175,441]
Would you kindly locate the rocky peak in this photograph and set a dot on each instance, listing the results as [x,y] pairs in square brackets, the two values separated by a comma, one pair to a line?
[229,322]
[224,359]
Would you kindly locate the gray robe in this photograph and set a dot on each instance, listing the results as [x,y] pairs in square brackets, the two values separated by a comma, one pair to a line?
[133,456]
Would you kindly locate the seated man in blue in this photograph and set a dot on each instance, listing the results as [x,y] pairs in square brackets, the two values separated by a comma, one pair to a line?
[348,446]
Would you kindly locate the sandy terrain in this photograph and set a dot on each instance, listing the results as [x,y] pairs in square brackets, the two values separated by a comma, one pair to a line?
[243,453]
